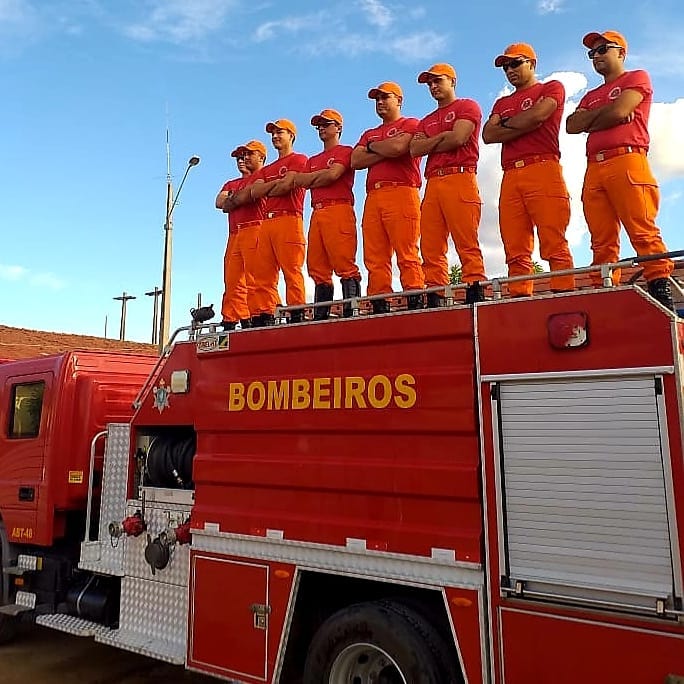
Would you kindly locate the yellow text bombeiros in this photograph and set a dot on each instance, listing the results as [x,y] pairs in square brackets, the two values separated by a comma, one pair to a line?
[376,392]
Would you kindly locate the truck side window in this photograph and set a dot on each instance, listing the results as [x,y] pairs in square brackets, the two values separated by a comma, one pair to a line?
[26,408]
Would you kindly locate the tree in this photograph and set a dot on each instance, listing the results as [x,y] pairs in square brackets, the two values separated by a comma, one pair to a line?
[455,274]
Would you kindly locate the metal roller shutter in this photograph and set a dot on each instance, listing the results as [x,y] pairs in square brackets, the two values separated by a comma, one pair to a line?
[584,495]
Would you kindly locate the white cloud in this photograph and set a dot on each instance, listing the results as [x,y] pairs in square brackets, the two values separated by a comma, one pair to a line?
[14,273]
[271,29]
[11,272]
[180,21]
[667,139]
[550,6]
[376,13]
[404,44]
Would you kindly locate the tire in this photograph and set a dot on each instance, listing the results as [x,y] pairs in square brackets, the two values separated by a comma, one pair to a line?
[383,642]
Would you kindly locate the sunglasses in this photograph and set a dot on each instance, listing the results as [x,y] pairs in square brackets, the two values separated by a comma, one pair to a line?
[324,124]
[513,64]
[602,49]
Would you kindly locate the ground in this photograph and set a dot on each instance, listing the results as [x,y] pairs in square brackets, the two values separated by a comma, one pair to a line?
[44,656]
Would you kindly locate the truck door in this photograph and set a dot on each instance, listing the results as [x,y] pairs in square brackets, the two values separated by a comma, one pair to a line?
[22,450]
[586,500]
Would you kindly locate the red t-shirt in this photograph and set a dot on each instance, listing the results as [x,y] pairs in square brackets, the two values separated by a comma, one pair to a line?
[542,140]
[404,169]
[633,133]
[442,120]
[293,201]
[341,189]
[252,211]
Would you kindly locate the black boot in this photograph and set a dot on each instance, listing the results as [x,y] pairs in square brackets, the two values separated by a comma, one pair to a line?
[228,325]
[380,306]
[256,321]
[245,323]
[296,316]
[350,288]
[661,291]
[414,301]
[324,293]
[434,300]
[267,319]
[474,293]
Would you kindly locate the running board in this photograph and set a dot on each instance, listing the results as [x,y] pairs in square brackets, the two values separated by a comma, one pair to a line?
[72,625]
[137,642]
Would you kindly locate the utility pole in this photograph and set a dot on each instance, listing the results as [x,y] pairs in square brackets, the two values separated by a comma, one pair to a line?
[155,314]
[124,300]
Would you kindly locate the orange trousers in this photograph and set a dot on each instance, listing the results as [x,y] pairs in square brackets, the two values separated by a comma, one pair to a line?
[234,304]
[535,195]
[451,206]
[391,223]
[623,190]
[280,246]
[332,244]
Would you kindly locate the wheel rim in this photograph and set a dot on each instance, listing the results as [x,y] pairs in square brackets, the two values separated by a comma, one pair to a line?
[365,664]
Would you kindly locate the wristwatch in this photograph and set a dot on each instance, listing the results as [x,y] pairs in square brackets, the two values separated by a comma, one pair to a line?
[368,148]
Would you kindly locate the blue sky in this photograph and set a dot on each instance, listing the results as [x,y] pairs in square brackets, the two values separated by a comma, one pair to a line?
[88,87]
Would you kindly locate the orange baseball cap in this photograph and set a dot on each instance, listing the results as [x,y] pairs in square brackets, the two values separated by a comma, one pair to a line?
[252,145]
[515,51]
[327,115]
[442,69]
[285,124]
[388,87]
[608,36]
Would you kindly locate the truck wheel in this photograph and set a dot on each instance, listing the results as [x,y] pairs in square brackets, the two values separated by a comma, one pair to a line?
[382,642]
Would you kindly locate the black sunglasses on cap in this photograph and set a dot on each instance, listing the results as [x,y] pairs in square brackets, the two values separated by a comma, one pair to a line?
[602,49]
[513,64]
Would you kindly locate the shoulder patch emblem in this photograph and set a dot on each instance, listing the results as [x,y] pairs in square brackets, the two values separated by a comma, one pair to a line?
[161,396]
[526,104]
[615,93]
[450,117]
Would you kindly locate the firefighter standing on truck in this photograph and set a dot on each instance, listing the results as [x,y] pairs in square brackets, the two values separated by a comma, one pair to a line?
[243,230]
[332,231]
[391,214]
[449,137]
[533,191]
[281,243]
[619,187]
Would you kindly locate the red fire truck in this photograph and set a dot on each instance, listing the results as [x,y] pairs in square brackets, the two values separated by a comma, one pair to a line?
[488,493]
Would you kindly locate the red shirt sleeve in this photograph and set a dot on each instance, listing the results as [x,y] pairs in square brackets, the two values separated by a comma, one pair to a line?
[556,90]
[298,162]
[409,125]
[363,140]
[342,156]
[470,111]
[640,81]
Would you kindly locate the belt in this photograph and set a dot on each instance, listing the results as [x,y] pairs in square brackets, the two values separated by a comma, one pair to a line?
[449,170]
[615,152]
[248,224]
[534,159]
[392,184]
[281,212]
[329,202]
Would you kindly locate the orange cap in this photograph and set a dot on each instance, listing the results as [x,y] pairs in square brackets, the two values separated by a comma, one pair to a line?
[327,115]
[515,51]
[252,145]
[442,69]
[388,87]
[285,124]
[608,36]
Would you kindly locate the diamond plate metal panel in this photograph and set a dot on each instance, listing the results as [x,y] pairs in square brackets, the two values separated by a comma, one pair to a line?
[72,625]
[112,505]
[155,610]
[170,652]
[159,517]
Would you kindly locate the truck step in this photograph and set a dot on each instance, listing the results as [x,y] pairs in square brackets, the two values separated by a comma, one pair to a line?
[152,647]
[72,625]
[14,609]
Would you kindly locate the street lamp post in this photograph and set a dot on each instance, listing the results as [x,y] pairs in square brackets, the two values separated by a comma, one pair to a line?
[155,313]
[164,319]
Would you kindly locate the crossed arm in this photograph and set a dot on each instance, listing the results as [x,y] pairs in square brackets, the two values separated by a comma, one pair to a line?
[498,130]
[320,178]
[459,135]
[618,112]
[389,148]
